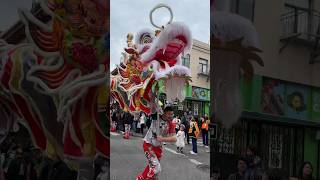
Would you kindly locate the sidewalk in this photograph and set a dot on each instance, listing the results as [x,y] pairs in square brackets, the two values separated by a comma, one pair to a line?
[188,147]
[199,141]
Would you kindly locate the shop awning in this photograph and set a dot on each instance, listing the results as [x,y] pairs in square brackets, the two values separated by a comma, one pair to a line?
[279,119]
[196,99]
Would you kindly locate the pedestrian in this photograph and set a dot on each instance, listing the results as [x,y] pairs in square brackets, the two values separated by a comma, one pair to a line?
[199,121]
[136,118]
[160,131]
[17,168]
[138,126]
[184,121]
[114,121]
[254,164]
[187,129]
[242,167]
[38,160]
[206,117]
[305,172]
[205,132]
[128,120]
[180,139]
[142,122]
[272,174]
[148,121]
[174,123]
[119,116]
[194,134]
[177,123]
[122,121]
[10,155]
[31,173]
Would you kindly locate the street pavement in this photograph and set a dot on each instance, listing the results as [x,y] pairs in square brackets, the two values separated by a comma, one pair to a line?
[128,160]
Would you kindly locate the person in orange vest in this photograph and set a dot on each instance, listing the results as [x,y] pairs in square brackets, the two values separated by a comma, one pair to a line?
[194,134]
[205,132]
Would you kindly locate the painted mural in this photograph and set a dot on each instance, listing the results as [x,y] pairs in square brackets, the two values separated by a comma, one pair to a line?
[272,100]
[296,101]
[200,93]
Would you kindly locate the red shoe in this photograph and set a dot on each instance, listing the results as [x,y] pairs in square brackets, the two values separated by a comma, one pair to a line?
[140,177]
[126,136]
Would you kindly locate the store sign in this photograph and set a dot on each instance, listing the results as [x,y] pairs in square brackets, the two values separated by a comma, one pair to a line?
[200,93]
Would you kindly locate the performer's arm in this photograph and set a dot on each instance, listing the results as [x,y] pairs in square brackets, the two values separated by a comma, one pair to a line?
[167,139]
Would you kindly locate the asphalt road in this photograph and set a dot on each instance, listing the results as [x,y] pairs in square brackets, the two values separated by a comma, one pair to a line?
[128,160]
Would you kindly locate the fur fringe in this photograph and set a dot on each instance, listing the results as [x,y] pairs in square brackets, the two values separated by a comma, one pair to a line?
[228,27]
[169,33]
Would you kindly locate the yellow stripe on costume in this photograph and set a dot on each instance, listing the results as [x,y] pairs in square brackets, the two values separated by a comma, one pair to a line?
[17,73]
[102,96]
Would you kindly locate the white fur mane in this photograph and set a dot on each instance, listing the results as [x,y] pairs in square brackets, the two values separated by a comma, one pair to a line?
[169,33]
[227,27]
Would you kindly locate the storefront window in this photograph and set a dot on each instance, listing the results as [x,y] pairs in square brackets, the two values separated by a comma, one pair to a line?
[226,141]
[186,60]
[275,151]
[203,66]
[196,109]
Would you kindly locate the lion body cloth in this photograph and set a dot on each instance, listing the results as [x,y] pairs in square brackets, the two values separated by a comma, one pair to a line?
[55,83]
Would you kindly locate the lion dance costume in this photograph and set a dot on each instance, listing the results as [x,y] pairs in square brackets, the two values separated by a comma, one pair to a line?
[152,65]
[55,83]
[235,47]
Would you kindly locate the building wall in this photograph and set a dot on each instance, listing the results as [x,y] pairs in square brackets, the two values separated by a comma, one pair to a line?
[199,50]
[293,63]
[316,4]
[200,83]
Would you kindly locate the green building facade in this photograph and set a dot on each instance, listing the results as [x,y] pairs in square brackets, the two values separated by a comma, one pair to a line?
[281,120]
[197,100]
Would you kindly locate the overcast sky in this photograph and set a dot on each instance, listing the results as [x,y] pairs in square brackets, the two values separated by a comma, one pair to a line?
[132,16]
